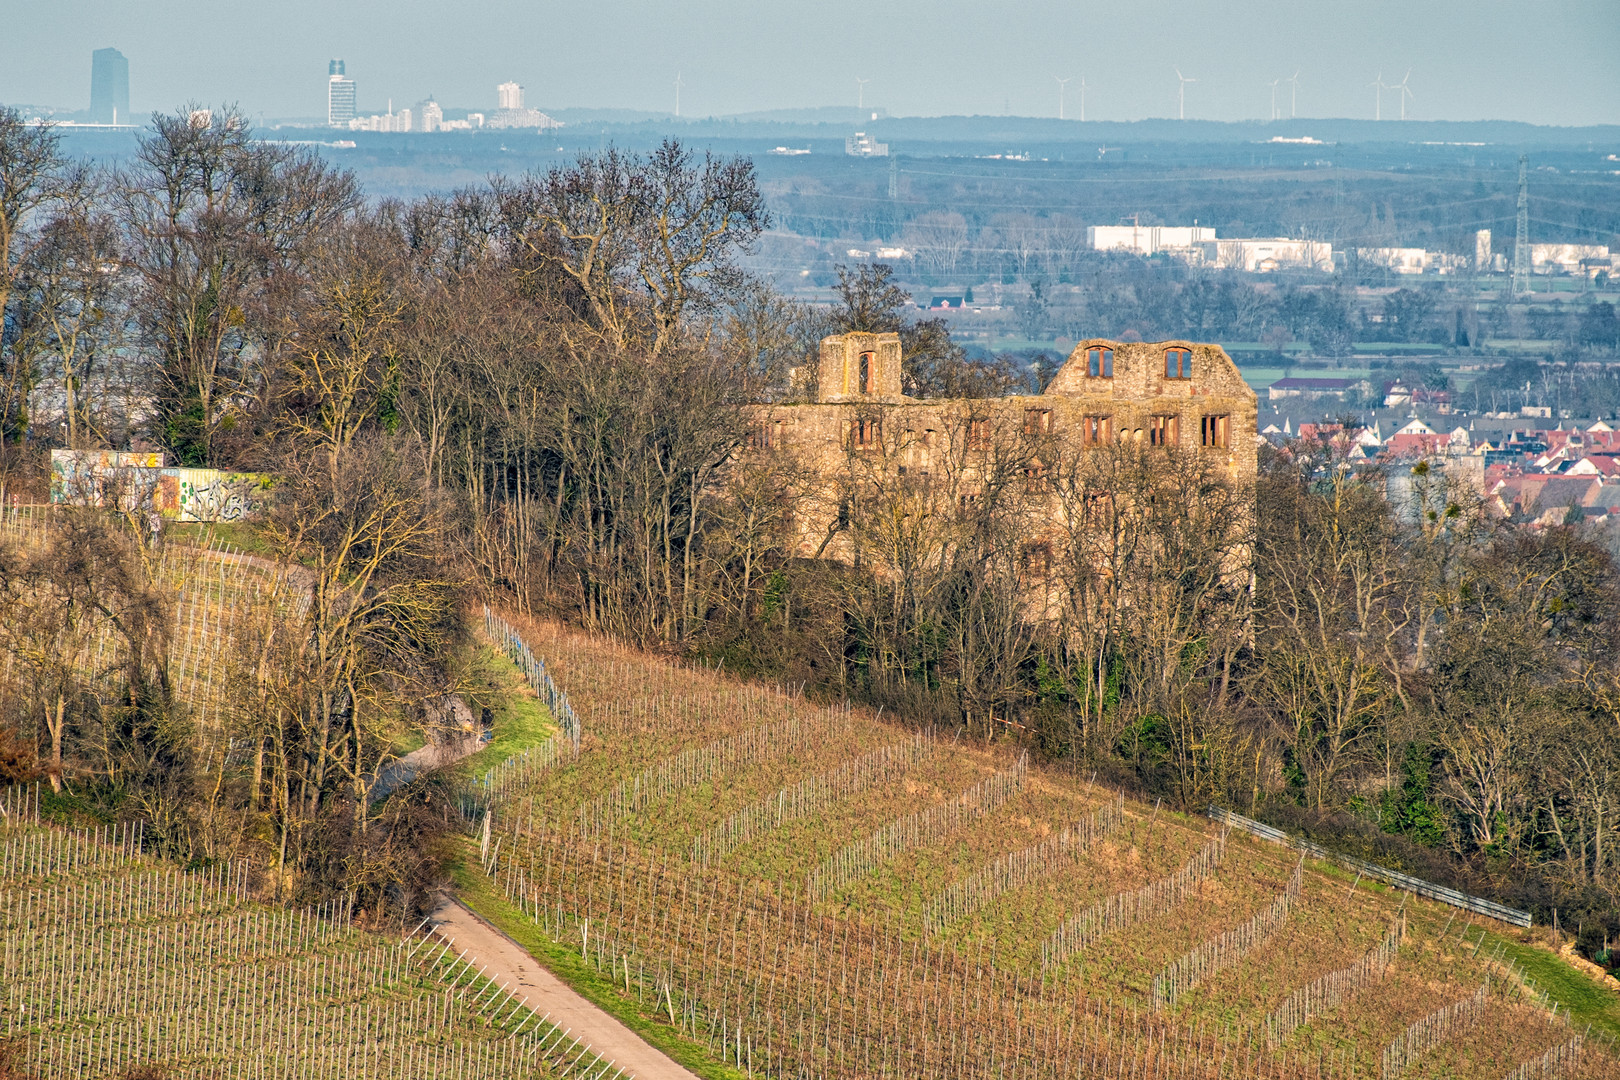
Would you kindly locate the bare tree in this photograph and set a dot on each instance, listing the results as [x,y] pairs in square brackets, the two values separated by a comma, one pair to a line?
[647,242]
[30,165]
[217,229]
[69,308]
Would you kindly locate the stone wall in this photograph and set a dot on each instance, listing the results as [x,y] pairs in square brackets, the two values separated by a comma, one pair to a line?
[941,453]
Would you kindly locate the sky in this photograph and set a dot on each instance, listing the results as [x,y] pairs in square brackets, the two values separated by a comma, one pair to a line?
[1540,61]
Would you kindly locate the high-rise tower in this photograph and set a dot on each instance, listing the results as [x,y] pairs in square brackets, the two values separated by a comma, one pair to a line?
[1521,239]
[109,87]
[340,95]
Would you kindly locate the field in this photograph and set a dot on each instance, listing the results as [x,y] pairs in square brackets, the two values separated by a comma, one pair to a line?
[113,959]
[810,891]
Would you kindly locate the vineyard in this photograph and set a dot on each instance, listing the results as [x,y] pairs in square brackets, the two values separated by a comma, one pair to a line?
[221,600]
[811,892]
[114,959]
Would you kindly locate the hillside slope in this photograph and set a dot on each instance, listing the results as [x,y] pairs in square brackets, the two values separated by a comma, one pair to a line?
[812,891]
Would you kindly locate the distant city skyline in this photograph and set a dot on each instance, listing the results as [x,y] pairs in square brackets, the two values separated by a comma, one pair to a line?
[1550,63]
[109,87]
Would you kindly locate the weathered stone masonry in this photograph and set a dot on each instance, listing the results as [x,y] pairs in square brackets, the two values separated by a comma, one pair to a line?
[1167,393]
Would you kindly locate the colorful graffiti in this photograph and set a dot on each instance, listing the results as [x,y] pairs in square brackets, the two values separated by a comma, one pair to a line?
[142,482]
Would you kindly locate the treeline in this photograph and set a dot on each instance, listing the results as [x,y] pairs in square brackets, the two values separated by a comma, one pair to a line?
[544,391]
[1157,299]
[1017,217]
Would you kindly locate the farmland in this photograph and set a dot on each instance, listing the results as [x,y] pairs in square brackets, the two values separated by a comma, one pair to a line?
[908,925]
[114,959]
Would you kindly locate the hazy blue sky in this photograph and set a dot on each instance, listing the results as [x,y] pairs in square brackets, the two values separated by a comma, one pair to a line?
[1545,61]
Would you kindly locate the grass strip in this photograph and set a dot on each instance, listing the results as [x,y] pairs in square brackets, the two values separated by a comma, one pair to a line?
[520,721]
[562,960]
[1588,1001]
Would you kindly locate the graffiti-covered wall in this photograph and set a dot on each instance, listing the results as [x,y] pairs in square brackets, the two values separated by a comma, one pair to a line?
[210,494]
[142,481]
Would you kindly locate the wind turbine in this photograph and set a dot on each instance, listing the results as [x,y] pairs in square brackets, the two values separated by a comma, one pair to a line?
[1405,93]
[1378,89]
[1062,85]
[678,85]
[1293,94]
[1274,83]
[860,92]
[1181,94]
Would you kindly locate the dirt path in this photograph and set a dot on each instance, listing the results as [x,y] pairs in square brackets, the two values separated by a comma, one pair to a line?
[506,962]
[435,755]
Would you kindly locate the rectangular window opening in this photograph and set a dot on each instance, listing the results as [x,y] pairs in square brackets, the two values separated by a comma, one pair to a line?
[1035,559]
[1216,431]
[1100,363]
[1035,477]
[1178,363]
[1037,421]
[1096,430]
[1164,431]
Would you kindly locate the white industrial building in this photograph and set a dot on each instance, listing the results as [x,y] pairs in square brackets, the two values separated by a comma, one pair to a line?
[1198,245]
[1145,239]
[1568,258]
[863,145]
[1261,256]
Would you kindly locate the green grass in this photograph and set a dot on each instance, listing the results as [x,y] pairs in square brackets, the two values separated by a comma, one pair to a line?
[1588,1002]
[475,891]
[520,720]
[245,536]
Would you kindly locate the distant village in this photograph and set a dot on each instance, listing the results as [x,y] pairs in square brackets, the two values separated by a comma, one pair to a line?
[1524,469]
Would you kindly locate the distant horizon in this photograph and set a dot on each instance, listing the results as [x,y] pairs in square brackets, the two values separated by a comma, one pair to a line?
[776,115]
[1461,59]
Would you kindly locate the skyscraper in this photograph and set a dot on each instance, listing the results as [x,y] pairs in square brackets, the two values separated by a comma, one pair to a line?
[109,87]
[340,96]
[510,95]
[432,115]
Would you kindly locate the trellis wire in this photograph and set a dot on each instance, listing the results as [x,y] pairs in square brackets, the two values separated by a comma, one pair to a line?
[1221,952]
[1017,868]
[511,643]
[1432,1030]
[1128,908]
[1416,886]
[1328,991]
[790,989]
[219,596]
[110,970]
[810,796]
[690,768]
[517,769]
[914,830]
[1555,1062]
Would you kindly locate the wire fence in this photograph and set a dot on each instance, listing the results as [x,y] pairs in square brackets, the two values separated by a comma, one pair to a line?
[1415,886]
[915,830]
[511,643]
[1222,952]
[1124,909]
